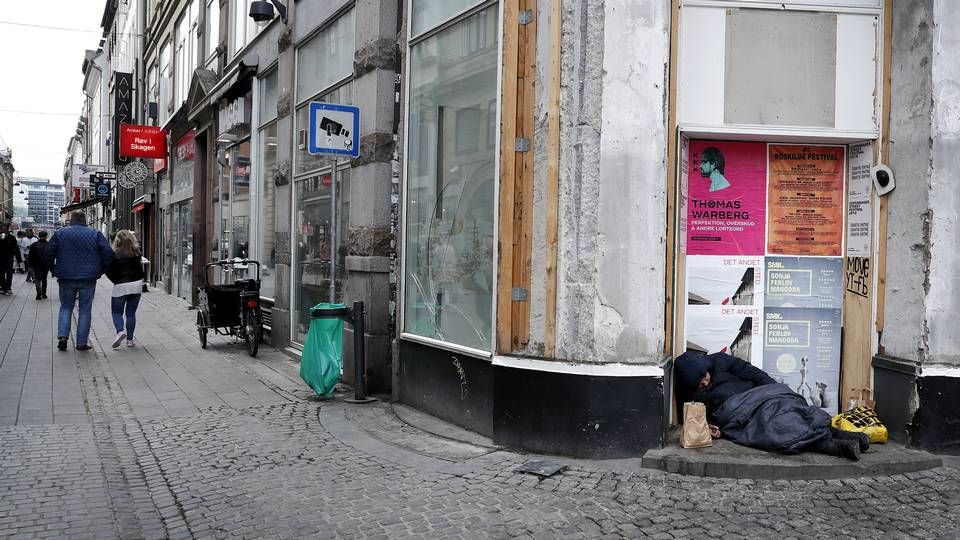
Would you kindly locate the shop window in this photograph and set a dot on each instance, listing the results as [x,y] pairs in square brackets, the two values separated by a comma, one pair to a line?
[429,13]
[322,218]
[450,185]
[244,29]
[326,58]
[232,204]
[268,253]
[268,97]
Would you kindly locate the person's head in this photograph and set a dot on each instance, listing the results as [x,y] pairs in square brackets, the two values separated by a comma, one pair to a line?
[692,372]
[42,235]
[78,218]
[20,234]
[711,160]
[125,244]
[4,228]
[29,233]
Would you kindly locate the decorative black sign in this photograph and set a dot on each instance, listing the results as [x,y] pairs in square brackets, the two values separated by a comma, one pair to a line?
[122,112]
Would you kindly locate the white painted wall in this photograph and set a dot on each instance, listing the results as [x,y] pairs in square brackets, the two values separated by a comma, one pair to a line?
[943,299]
[629,317]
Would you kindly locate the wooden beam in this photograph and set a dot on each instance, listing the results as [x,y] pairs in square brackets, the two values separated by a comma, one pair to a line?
[884,156]
[671,242]
[553,181]
[508,166]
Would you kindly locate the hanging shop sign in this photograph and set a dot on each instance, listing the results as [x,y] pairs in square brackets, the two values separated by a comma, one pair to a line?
[101,184]
[806,195]
[142,141]
[726,198]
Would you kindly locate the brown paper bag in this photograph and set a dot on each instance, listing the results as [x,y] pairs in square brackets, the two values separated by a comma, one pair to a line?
[696,431]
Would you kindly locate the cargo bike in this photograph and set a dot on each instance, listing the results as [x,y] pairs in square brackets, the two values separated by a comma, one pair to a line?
[231,309]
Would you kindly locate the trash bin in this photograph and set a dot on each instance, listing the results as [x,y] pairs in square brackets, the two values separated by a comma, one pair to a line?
[322,359]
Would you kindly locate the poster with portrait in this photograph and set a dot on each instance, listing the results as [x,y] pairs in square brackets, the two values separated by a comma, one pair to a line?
[724,305]
[801,348]
[726,198]
[810,282]
[806,195]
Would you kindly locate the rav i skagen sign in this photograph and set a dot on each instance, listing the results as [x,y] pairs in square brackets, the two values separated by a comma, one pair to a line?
[142,141]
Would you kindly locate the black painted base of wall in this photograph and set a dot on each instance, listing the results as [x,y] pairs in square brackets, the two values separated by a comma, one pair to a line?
[450,386]
[536,411]
[936,424]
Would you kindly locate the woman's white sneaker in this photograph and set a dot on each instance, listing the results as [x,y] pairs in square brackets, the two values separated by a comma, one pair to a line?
[118,339]
[130,343]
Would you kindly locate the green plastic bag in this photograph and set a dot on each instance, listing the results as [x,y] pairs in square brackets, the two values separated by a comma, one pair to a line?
[323,353]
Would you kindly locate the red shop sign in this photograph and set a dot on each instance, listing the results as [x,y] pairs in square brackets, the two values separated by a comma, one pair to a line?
[142,141]
[185,148]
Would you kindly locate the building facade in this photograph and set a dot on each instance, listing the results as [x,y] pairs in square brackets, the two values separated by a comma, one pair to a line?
[7,171]
[44,201]
[554,200]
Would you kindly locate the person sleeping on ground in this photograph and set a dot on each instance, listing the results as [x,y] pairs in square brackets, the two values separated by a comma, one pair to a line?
[747,406]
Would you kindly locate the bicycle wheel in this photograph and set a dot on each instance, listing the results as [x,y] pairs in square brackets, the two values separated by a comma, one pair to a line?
[251,329]
[202,329]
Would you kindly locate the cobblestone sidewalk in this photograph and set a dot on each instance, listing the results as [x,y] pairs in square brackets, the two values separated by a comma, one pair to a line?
[167,440]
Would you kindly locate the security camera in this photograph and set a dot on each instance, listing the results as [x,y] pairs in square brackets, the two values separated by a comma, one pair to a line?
[882,179]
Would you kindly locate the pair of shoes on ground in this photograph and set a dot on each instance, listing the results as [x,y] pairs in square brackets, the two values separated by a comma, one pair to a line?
[62,345]
[41,296]
[118,339]
[7,292]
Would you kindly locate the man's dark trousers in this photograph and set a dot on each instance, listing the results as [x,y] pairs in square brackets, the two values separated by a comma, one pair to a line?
[6,273]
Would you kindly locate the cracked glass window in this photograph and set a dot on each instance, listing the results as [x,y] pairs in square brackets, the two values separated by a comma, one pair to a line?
[450,185]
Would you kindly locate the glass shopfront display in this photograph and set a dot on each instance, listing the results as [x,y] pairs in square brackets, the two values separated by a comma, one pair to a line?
[266,251]
[182,249]
[450,185]
[323,210]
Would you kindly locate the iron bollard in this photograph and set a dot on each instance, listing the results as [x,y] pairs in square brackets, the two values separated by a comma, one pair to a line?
[359,317]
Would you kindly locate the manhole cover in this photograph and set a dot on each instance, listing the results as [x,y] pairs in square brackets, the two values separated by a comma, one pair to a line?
[541,468]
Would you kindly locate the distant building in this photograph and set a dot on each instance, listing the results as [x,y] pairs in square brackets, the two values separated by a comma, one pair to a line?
[6,183]
[43,201]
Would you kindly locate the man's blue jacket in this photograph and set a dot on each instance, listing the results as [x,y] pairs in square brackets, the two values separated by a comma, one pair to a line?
[78,252]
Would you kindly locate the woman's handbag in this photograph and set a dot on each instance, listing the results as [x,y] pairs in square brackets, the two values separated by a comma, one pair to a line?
[696,431]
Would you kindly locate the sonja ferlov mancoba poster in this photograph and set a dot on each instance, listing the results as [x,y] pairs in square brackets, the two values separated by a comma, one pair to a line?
[726,198]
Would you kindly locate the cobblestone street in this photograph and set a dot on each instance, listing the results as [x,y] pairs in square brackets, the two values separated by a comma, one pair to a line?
[167,440]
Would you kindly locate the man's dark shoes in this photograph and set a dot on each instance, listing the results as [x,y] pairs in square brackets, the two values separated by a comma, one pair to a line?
[84,347]
[39,297]
[862,439]
[849,449]
[62,343]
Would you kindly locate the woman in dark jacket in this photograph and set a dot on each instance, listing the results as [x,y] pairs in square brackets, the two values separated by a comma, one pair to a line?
[38,264]
[126,273]
[775,418]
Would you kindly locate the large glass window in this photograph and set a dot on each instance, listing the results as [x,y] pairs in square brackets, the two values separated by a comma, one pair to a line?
[267,253]
[165,81]
[450,232]
[244,29]
[186,59]
[326,58]
[211,29]
[182,249]
[321,220]
[429,13]
[231,198]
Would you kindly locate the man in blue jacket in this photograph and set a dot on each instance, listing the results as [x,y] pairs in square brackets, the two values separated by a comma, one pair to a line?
[77,255]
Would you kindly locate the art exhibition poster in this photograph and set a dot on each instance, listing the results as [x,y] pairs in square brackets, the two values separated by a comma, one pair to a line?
[810,282]
[726,198]
[801,348]
[806,200]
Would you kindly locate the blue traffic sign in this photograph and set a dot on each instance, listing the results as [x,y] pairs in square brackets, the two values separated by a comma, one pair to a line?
[334,129]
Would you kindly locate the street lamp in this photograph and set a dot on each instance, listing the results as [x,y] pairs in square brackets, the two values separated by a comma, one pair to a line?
[261,11]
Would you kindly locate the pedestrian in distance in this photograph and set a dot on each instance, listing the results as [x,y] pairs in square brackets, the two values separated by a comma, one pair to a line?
[21,264]
[37,264]
[77,255]
[25,242]
[9,252]
[126,273]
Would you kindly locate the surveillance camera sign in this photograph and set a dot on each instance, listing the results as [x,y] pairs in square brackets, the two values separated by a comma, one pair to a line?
[334,129]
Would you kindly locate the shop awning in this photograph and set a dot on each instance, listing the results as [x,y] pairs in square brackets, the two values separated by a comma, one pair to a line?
[81,204]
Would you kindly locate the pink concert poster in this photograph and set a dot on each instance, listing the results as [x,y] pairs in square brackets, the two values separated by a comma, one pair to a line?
[726,189]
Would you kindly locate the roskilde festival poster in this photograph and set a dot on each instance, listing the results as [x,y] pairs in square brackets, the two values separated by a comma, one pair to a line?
[806,200]
[726,205]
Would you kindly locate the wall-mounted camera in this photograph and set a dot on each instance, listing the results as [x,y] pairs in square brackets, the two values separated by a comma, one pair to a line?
[882,179]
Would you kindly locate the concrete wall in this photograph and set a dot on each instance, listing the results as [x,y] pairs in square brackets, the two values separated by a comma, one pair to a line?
[908,247]
[613,180]
[944,297]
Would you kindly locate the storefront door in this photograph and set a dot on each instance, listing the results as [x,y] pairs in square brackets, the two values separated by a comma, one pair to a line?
[182,249]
